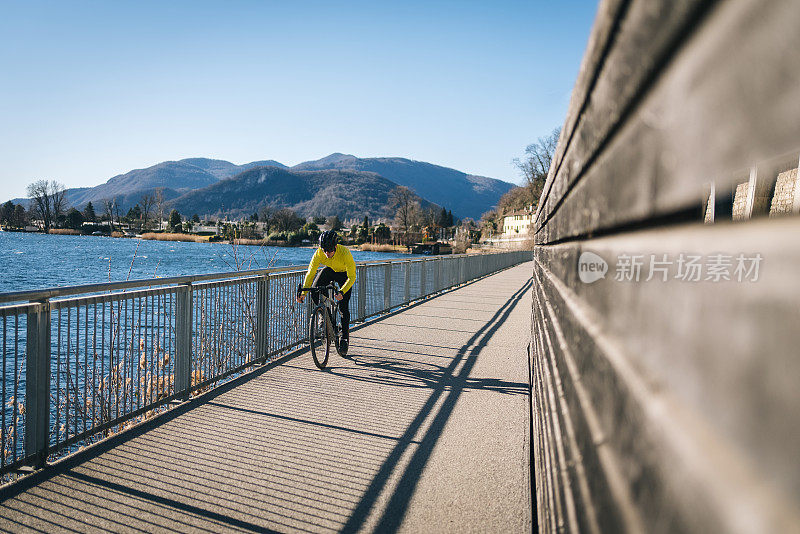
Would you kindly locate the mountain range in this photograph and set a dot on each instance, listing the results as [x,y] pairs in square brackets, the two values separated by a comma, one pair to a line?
[338,184]
[346,194]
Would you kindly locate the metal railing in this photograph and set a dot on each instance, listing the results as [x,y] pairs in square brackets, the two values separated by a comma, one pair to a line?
[84,362]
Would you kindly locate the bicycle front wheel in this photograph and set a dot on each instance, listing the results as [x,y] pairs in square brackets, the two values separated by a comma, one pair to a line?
[318,338]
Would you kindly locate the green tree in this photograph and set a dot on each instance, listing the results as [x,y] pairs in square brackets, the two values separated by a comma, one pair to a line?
[366,222]
[7,213]
[20,216]
[74,219]
[363,235]
[196,218]
[382,233]
[441,219]
[175,221]
[88,213]
[310,230]
[134,214]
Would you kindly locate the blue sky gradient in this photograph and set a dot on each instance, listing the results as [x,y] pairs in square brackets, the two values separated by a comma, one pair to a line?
[94,89]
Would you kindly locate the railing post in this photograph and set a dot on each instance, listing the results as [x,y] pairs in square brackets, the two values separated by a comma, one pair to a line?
[37,383]
[262,320]
[407,293]
[387,287]
[361,280]
[437,275]
[423,269]
[183,341]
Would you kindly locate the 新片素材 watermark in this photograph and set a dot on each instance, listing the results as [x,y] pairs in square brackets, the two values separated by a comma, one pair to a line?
[684,267]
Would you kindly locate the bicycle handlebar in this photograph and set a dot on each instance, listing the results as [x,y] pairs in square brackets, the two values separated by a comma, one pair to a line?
[301,289]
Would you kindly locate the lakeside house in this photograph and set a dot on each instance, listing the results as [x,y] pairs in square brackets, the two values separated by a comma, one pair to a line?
[518,223]
[517,231]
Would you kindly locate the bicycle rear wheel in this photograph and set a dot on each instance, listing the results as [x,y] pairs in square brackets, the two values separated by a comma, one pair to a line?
[336,330]
[318,337]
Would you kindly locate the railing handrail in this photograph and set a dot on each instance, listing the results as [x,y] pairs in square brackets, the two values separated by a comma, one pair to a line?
[64,291]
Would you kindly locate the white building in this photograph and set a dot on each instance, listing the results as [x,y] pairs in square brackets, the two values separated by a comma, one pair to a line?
[518,223]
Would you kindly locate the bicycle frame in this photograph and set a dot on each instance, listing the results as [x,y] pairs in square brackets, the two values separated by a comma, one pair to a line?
[328,306]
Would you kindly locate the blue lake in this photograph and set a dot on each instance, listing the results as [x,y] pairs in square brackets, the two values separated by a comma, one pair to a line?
[36,261]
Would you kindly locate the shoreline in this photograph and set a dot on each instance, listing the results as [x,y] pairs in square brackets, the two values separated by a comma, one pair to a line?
[195,238]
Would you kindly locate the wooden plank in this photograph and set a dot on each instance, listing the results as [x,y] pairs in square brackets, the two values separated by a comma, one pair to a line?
[642,34]
[600,38]
[727,100]
[693,384]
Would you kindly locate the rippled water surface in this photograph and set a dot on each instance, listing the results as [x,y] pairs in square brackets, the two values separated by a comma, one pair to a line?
[36,261]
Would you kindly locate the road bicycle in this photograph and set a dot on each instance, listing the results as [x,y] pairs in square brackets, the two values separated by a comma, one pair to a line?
[324,323]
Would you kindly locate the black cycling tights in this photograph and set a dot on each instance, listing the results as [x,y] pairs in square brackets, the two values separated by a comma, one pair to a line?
[325,277]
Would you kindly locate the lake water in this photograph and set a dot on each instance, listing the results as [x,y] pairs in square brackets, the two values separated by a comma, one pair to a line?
[37,261]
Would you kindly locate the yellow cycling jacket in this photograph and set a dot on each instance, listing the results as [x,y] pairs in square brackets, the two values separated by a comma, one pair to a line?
[341,261]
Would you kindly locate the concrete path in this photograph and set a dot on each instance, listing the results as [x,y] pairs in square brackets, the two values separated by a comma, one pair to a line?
[423,429]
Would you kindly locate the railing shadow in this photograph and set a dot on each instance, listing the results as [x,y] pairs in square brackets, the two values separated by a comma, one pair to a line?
[451,386]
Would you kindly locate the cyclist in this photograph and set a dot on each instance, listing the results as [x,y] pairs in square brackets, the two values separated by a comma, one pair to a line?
[339,267]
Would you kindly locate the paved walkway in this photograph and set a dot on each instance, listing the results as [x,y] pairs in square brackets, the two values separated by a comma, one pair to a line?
[423,429]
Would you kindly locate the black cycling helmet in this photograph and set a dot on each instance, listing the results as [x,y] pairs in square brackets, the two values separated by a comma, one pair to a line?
[327,241]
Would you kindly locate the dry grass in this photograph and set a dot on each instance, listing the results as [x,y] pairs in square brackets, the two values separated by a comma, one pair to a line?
[369,247]
[175,237]
[64,231]
[257,242]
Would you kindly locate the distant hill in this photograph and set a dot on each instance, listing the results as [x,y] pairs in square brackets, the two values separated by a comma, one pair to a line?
[222,169]
[174,177]
[177,176]
[466,195]
[344,193]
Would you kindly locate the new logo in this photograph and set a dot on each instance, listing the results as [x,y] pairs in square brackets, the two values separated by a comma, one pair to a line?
[591,267]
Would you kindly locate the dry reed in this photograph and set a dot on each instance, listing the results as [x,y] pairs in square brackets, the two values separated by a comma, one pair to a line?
[175,237]
[64,231]
[256,242]
[369,247]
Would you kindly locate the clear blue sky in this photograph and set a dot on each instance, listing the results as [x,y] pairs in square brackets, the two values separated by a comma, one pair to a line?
[89,90]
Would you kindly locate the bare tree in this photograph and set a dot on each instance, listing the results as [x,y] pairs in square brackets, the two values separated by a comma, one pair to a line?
[406,208]
[334,223]
[286,220]
[117,208]
[535,165]
[59,201]
[267,216]
[159,200]
[108,211]
[48,201]
[147,204]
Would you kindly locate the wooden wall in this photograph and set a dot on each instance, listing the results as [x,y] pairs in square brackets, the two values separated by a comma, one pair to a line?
[672,403]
